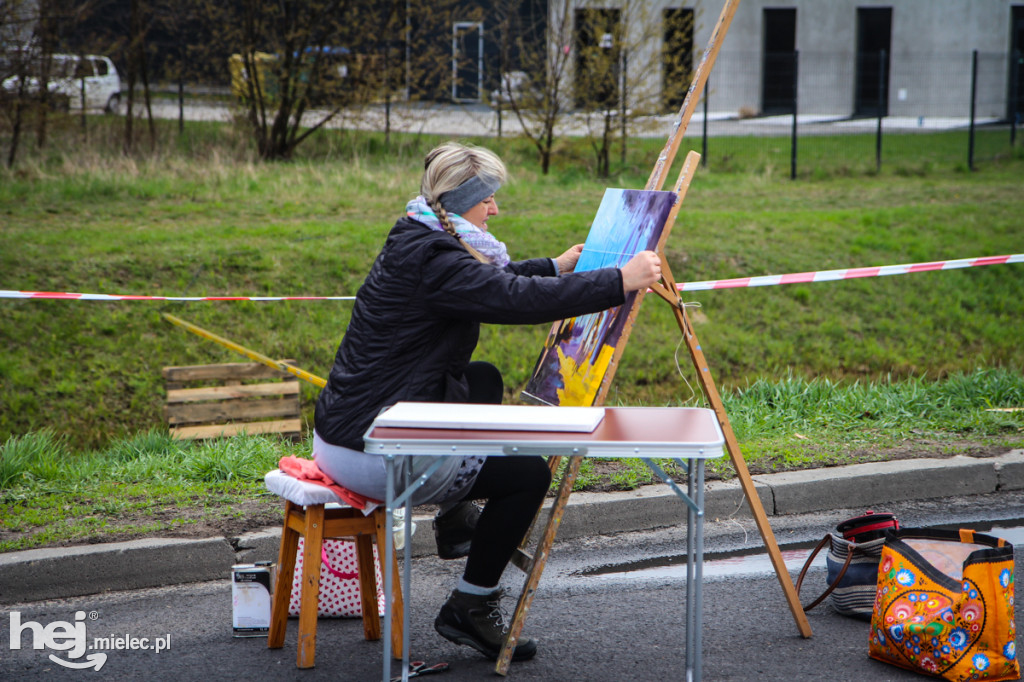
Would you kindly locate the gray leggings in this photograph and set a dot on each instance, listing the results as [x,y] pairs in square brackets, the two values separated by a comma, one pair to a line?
[359,472]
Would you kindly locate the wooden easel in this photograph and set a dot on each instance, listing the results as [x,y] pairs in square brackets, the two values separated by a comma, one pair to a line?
[667,290]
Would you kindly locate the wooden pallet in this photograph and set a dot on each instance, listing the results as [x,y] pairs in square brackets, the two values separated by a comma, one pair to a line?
[214,401]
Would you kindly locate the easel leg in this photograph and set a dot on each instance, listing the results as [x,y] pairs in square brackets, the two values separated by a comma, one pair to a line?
[747,483]
[521,558]
[540,558]
[667,291]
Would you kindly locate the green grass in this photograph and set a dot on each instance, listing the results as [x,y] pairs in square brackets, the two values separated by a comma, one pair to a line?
[149,483]
[200,219]
[51,494]
[843,364]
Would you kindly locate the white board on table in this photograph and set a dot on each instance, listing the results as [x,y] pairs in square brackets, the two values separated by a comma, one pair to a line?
[491,417]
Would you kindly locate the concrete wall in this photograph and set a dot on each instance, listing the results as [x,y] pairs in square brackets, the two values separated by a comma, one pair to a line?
[930,70]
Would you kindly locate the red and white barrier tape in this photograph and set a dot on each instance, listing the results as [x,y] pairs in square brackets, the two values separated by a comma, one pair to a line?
[852,273]
[739,282]
[130,297]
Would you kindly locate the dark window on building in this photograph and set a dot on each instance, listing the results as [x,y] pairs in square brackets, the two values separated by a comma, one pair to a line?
[467,61]
[778,82]
[874,49]
[1016,98]
[516,43]
[676,55]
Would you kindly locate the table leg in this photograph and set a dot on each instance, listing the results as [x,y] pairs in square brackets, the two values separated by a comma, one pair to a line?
[389,574]
[691,574]
[407,569]
[698,582]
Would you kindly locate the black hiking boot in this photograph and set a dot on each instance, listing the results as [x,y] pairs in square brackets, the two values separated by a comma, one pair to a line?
[453,531]
[476,620]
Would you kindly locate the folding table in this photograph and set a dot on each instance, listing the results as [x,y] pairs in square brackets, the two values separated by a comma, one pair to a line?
[688,435]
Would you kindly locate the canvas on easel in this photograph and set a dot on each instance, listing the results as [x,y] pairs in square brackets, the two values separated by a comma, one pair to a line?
[577,356]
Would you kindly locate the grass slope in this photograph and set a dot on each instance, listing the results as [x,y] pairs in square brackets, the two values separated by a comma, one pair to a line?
[812,374]
[196,224]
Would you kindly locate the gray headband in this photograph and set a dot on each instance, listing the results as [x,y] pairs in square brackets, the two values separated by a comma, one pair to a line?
[469,194]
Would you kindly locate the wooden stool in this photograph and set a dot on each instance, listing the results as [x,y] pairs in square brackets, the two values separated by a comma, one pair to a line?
[314,522]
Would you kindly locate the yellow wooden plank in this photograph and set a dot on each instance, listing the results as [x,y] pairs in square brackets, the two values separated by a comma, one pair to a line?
[232,410]
[251,354]
[284,426]
[228,370]
[207,393]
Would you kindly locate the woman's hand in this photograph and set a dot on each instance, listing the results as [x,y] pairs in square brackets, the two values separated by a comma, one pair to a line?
[567,261]
[642,270]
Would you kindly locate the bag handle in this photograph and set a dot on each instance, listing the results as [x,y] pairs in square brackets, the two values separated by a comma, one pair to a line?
[807,564]
[967,536]
[341,575]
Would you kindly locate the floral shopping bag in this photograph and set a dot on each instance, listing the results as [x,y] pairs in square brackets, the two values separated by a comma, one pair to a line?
[944,605]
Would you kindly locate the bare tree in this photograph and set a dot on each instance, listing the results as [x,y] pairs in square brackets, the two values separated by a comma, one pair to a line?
[140,19]
[178,20]
[535,57]
[77,14]
[46,38]
[14,102]
[431,35]
[390,49]
[298,65]
[16,22]
[32,27]
[289,55]
[597,82]
[617,59]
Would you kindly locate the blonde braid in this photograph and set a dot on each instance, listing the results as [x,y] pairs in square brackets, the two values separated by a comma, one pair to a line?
[442,216]
[446,223]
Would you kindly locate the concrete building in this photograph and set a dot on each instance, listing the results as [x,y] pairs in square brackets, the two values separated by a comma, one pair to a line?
[841,58]
[862,57]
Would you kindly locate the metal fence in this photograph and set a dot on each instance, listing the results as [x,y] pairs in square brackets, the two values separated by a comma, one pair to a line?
[861,112]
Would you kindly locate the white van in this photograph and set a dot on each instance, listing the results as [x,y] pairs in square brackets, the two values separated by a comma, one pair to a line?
[68,72]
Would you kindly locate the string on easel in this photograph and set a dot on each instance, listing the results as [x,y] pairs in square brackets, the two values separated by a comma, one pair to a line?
[675,356]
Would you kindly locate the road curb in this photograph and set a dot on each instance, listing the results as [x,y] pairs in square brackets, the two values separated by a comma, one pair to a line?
[55,573]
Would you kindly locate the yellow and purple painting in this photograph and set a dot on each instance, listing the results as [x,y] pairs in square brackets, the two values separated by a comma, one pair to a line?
[578,351]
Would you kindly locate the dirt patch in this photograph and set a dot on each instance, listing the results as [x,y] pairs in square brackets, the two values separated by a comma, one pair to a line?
[918,449]
[178,521]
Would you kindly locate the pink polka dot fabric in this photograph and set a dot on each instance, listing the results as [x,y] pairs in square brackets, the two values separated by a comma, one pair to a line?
[339,581]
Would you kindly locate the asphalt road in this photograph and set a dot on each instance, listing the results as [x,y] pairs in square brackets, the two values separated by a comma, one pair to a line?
[623,626]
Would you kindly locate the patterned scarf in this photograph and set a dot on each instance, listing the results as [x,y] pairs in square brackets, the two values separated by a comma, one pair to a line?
[482,241]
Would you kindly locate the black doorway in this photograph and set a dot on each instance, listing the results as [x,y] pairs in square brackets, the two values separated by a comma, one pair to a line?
[467,60]
[874,47]
[778,86]
[1015,108]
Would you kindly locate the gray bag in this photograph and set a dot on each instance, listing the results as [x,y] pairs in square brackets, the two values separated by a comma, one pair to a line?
[854,552]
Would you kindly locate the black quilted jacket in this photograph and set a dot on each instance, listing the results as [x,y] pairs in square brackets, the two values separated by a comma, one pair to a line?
[417,320]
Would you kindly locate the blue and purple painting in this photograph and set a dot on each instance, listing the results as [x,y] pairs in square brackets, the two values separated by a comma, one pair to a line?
[578,352]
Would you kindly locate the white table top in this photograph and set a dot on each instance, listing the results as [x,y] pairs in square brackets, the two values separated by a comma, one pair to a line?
[676,432]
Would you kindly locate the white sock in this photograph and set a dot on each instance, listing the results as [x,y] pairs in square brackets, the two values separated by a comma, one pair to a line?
[469,588]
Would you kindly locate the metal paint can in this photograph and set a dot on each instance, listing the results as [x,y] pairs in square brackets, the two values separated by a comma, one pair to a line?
[251,587]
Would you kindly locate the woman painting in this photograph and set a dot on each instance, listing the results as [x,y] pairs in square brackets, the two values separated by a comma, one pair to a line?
[411,337]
